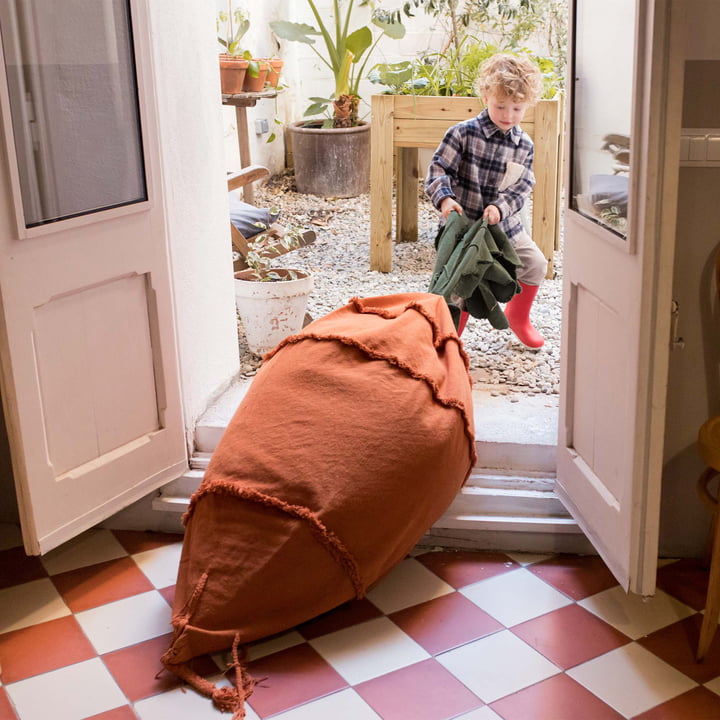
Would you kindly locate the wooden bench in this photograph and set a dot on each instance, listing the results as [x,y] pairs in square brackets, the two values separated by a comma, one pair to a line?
[401,124]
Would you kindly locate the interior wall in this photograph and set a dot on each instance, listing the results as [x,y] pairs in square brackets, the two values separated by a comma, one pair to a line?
[694,377]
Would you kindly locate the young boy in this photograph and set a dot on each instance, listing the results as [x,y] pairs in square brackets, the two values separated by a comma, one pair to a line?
[483,168]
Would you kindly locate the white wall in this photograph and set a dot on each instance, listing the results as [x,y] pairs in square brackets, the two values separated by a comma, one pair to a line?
[190,120]
[694,381]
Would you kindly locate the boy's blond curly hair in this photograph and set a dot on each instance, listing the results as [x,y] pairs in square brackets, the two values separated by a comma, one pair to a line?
[516,78]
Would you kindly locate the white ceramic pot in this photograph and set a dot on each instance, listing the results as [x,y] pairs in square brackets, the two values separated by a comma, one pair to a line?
[271,309]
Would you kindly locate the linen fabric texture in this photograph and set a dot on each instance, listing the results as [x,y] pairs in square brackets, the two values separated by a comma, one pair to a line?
[353,439]
[475,269]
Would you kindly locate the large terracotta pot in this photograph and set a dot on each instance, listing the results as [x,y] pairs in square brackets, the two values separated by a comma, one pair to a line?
[232,74]
[332,162]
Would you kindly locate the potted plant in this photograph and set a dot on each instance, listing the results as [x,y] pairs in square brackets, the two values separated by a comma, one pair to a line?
[331,155]
[237,65]
[271,301]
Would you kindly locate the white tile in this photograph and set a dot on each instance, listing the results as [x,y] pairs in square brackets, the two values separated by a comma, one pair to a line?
[160,564]
[185,704]
[346,704]
[525,559]
[631,679]
[369,649]
[515,597]
[71,693]
[484,713]
[29,604]
[407,584]
[126,622]
[714,685]
[92,547]
[496,666]
[634,615]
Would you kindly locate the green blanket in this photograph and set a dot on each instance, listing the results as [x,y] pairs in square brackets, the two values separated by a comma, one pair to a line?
[476,263]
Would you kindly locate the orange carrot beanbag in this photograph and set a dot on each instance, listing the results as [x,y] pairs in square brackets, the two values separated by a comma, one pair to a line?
[354,437]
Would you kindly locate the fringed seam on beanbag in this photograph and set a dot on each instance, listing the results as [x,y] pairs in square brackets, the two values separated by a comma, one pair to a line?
[328,539]
[225,699]
[397,362]
[439,339]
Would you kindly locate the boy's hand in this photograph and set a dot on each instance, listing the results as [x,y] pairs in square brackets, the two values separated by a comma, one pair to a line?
[492,215]
[447,205]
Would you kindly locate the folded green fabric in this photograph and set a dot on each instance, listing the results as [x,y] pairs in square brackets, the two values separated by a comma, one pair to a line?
[476,262]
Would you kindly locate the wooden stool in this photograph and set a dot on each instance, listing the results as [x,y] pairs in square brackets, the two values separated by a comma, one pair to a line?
[709,447]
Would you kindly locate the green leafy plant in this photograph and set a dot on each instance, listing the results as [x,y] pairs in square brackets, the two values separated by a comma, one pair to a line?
[347,51]
[507,24]
[453,72]
[263,248]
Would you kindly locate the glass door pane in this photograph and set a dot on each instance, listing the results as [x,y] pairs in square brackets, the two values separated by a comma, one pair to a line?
[603,63]
[74,105]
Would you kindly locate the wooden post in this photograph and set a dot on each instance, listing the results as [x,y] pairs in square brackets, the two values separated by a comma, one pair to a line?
[381,183]
[545,207]
[406,187]
[244,147]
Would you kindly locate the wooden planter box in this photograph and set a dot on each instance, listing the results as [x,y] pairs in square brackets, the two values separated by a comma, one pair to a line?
[401,124]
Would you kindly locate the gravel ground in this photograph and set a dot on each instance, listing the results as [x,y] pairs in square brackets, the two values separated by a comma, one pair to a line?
[339,261]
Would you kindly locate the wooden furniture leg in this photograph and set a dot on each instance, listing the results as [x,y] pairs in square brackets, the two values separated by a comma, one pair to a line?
[406,195]
[712,602]
[381,182]
[244,146]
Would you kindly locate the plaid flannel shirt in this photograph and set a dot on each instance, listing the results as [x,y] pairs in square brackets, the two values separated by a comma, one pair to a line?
[470,165]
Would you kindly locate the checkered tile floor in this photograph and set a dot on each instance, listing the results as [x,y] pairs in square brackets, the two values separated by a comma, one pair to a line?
[471,635]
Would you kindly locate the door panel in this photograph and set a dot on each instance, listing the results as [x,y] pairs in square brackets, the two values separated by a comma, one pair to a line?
[619,234]
[90,382]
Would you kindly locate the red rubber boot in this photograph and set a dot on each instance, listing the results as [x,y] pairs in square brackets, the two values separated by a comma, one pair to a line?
[464,315]
[517,311]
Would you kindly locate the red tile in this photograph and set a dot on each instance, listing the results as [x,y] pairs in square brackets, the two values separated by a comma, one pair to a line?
[139,673]
[696,704]
[43,647]
[465,567]
[120,713]
[677,644]
[423,691]
[6,709]
[290,678]
[135,541]
[578,576]
[570,636]
[686,580]
[445,622]
[347,614]
[169,594]
[557,698]
[17,568]
[94,585]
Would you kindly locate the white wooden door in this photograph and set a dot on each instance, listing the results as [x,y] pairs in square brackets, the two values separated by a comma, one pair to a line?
[90,384]
[626,80]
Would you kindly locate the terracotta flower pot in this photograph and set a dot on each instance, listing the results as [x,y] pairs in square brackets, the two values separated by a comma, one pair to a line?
[273,76]
[256,84]
[232,74]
